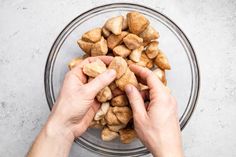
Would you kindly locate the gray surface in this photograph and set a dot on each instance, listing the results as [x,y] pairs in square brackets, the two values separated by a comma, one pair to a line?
[28,29]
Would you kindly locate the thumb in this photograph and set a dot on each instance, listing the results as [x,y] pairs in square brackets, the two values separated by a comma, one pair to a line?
[88,117]
[100,82]
[136,102]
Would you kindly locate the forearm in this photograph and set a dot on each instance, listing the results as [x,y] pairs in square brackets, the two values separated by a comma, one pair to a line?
[171,148]
[53,141]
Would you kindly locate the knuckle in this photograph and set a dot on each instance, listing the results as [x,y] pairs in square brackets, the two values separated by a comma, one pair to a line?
[164,97]
[100,79]
[100,82]
[168,100]
[84,90]
[146,71]
[149,74]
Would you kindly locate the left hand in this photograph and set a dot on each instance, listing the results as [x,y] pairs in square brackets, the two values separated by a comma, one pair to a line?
[76,104]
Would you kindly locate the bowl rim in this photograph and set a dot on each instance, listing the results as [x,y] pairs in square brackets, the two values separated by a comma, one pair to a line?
[188,112]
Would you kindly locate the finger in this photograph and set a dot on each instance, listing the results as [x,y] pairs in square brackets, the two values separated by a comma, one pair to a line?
[105,59]
[87,119]
[100,82]
[91,113]
[117,91]
[78,69]
[95,106]
[147,76]
[136,102]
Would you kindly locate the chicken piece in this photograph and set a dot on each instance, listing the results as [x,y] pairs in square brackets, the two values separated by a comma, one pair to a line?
[117,92]
[149,34]
[120,100]
[135,55]
[123,114]
[108,135]
[116,128]
[145,61]
[85,46]
[150,64]
[130,62]
[161,75]
[111,118]
[114,24]
[112,86]
[95,68]
[145,43]
[103,121]
[127,135]
[93,35]
[119,65]
[161,61]
[121,50]
[74,62]
[114,40]
[95,124]
[152,50]
[132,41]
[143,87]
[127,78]
[137,23]
[102,111]
[125,24]
[99,48]
[106,33]
[104,95]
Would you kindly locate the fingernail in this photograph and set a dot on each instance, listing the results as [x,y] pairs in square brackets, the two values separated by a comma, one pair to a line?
[128,88]
[111,72]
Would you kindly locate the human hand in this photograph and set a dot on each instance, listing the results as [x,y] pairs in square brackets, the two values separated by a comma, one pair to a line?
[76,104]
[158,125]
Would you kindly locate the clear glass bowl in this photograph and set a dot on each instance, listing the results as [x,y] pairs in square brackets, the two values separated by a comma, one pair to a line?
[183,78]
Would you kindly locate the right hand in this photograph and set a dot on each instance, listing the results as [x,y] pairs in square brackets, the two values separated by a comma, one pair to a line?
[158,125]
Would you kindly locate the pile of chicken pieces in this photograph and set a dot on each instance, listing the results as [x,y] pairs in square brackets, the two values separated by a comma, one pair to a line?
[129,40]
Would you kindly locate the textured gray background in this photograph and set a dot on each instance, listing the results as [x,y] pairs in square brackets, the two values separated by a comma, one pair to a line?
[29,27]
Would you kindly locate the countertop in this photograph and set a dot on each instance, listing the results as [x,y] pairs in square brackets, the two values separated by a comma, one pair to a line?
[29,27]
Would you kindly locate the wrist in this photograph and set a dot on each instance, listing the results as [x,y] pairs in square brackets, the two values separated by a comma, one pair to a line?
[53,140]
[55,128]
[166,146]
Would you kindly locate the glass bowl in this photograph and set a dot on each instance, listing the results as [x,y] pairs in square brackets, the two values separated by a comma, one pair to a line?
[183,78]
